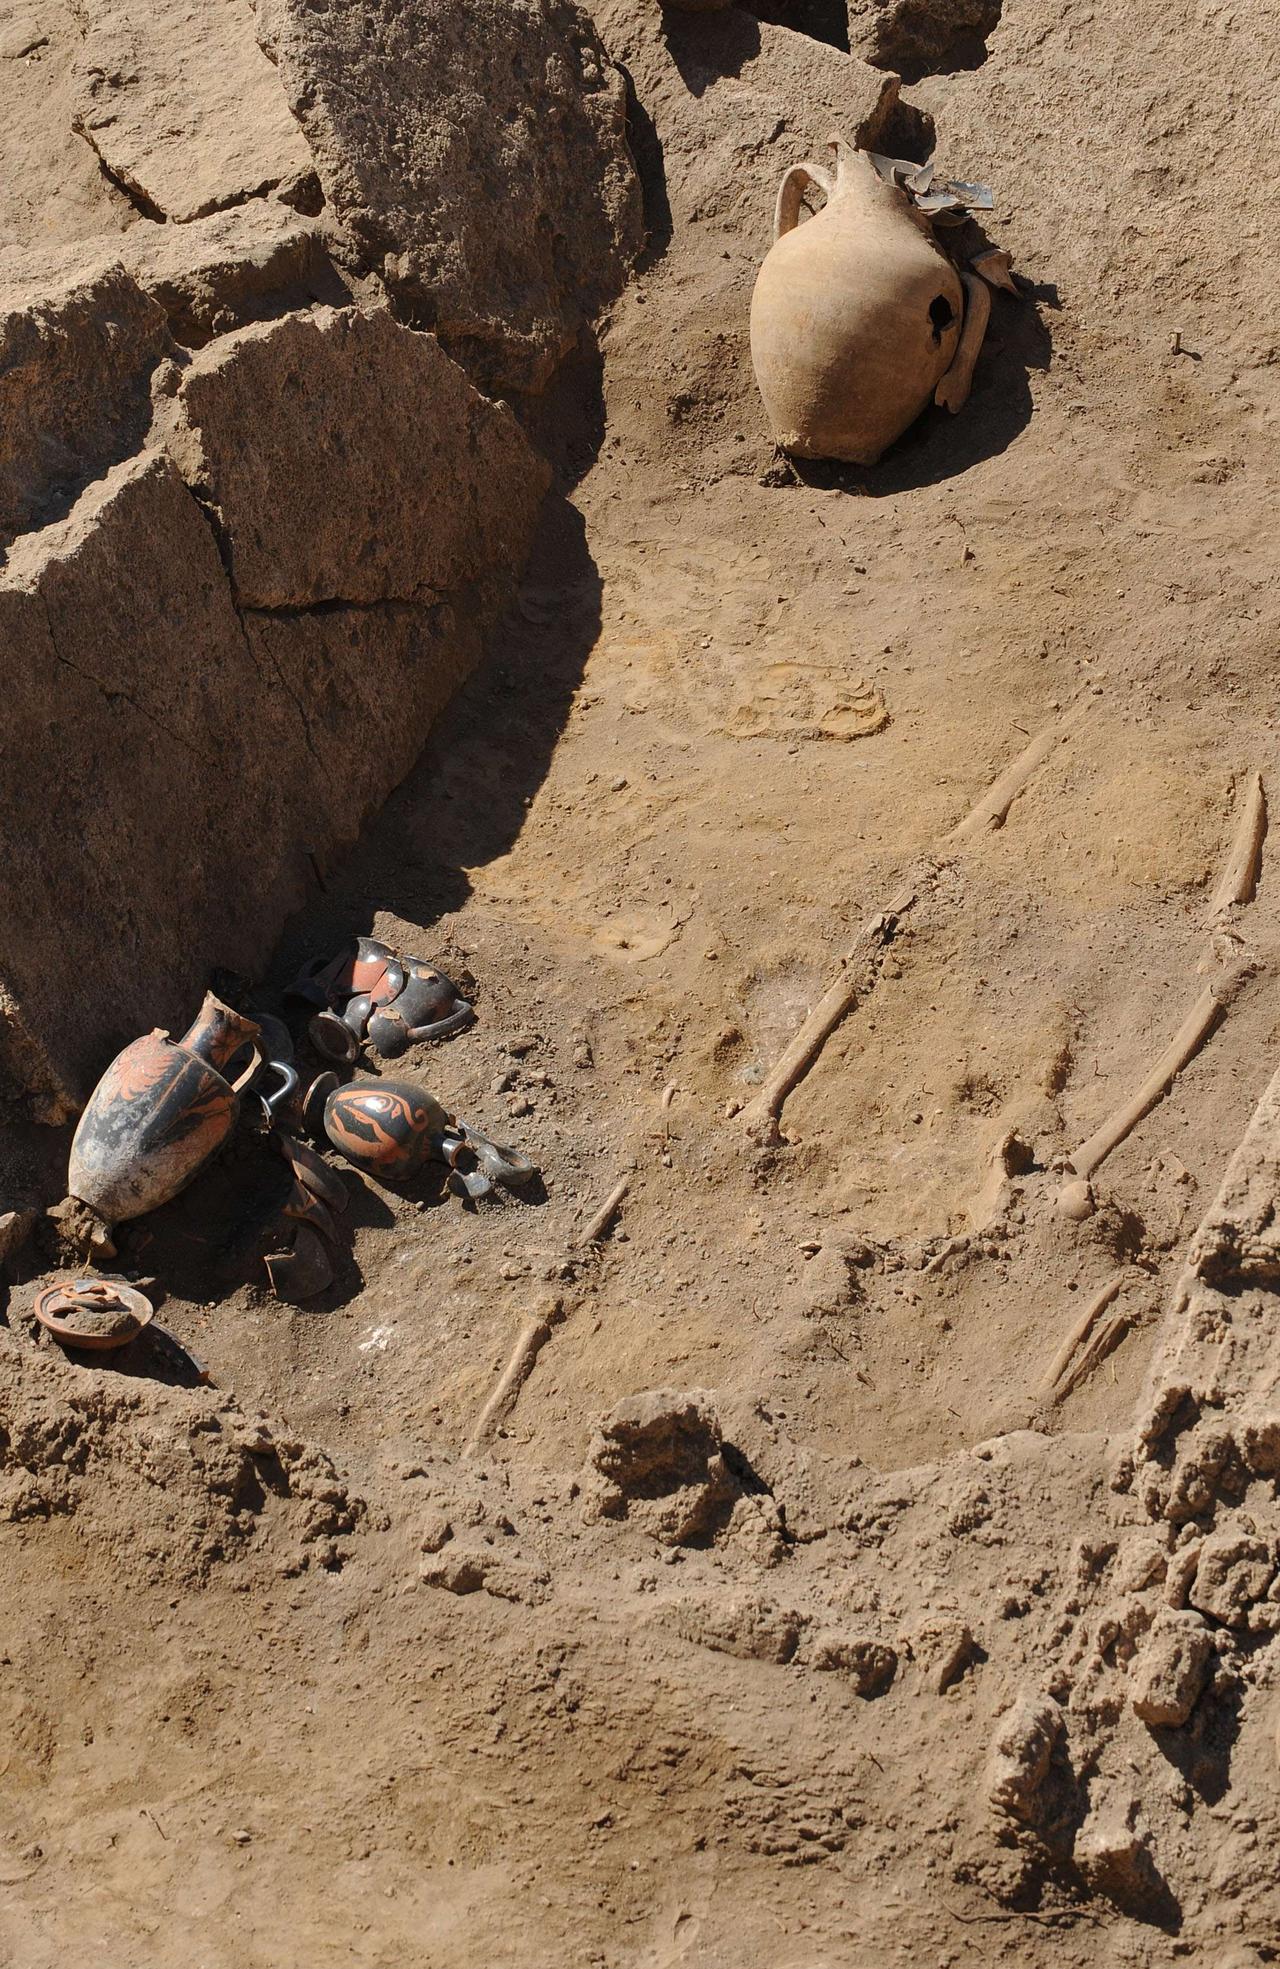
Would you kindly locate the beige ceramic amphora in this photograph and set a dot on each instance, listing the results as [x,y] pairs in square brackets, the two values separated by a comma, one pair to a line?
[858,319]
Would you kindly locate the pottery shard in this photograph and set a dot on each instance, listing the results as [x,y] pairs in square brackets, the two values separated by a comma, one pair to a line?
[1020,1755]
[75,368]
[139,774]
[348,459]
[477,158]
[1172,1669]
[184,109]
[658,1459]
[218,274]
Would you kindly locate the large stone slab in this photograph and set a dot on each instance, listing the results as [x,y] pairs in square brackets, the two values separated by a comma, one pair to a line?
[176,758]
[76,360]
[183,108]
[369,683]
[145,817]
[477,157]
[253,263]
[349,460]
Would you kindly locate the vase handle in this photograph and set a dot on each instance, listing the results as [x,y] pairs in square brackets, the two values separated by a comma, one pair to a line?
[255,1066]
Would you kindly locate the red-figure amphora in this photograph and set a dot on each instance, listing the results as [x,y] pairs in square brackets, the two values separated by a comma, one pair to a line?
[160,1110]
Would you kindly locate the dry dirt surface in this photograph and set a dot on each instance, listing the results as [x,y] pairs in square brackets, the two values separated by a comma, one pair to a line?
[862,1549]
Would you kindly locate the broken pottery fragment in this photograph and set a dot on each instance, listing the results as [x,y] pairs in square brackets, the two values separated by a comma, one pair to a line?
[371,993]
[97,1314]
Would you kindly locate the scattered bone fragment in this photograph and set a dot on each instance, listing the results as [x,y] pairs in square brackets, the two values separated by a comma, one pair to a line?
[1054,1381]
[1240,874]
[1106,1339]
[992,809]
[1172,1669]
[858,972]
[1021,1751]
[1181,1050]
[599,1222]
[532,1337]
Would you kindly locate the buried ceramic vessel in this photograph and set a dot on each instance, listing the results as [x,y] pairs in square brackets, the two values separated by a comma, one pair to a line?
[371,993]
[392,1128]
[858,318]
[160,1111]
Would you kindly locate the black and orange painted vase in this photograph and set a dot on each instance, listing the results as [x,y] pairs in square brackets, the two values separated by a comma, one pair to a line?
[160,1110]
[388,1128]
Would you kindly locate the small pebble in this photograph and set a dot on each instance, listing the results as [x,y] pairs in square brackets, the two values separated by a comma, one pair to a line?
[616,785]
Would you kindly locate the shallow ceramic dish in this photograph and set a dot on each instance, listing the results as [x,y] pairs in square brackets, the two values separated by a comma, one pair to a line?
[97,1314]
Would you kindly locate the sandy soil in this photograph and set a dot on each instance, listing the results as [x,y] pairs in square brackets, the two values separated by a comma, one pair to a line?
[732,713]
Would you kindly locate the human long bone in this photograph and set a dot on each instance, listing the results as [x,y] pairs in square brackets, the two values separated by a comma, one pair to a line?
[1235,885]
[858,971]
[858,967]
[992,809]
[1106,1339]
[1081,1329]
[1181,1050]
[530,1341]
[1239,876]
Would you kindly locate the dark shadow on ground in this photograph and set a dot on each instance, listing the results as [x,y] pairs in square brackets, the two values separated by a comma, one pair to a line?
[465,801]
[707,47]
[646,149]
[821,20]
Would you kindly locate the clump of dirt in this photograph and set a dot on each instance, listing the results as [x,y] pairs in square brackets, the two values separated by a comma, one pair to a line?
[165,1481]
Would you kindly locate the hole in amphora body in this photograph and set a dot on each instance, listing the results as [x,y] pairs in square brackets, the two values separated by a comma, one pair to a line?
[941,314]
